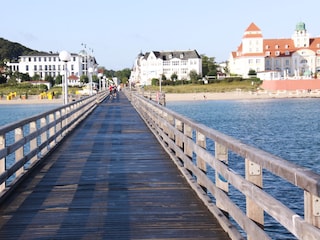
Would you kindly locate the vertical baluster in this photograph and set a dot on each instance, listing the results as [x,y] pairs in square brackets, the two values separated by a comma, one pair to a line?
[312,209]
[221,154]
[18,134]
[33,142]
[52,130]
[179,126]
[253,174]
[43,136]
[2,160]
[187,132]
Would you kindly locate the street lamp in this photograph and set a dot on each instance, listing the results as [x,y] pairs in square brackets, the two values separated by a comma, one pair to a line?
[65,57]
[100,75]
[90,70]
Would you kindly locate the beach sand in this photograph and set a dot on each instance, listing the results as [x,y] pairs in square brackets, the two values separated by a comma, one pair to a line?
[31,100]
[236,95]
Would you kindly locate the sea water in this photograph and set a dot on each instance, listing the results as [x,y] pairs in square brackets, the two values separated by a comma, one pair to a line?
[288,128]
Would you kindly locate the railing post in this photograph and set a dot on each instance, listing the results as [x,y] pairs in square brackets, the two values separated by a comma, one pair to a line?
[201,141]
[58,125]
[187,132]
[43,137]
[221,154]
[312,209]
[2,160]
[18,134]
[253,172]
[52,129]
[33,142]
[179,126]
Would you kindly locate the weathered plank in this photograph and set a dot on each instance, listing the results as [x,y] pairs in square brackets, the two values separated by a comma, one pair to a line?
[110,179]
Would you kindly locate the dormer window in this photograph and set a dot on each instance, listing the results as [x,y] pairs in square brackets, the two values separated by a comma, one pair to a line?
[181,55]
[287,46]
[277,46]
[267,53]
[287,53]
[170,56]
[267,47]
[277,53]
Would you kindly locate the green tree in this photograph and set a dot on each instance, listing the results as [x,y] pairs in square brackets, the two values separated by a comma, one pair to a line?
[209,66]
[84,79]
[174,76]
[49,79]
[252,72]
[58,80]
[194,76]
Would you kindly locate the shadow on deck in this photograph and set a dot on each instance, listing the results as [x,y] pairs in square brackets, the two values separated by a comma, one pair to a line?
[110,179]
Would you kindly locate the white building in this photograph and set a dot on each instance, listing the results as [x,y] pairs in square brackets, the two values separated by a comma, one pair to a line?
[156,64]
[295,57]
[49,64]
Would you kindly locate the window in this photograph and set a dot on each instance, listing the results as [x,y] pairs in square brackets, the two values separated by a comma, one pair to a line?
[29,59]
[277,53]
[258,61]
[287,62]
[277,46]
[44,59]
[34,59]
[267,53]
[267,47]
[49,58]
[27,67]
[287,46]
[287,53]
[35,67]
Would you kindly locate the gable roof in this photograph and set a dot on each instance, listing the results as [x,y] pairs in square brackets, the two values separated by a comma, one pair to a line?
[167,55]
[252,31]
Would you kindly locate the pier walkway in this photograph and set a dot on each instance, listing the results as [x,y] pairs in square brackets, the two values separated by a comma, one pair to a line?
[109,179]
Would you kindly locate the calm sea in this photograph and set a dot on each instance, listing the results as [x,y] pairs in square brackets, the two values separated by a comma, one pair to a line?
[14,112]
[288,128]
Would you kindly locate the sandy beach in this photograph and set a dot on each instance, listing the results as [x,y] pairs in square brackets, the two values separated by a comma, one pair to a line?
[31,100]
[236,95]
[239,95]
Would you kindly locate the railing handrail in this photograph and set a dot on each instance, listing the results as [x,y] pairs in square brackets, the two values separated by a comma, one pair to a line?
[174,132]
[45,131]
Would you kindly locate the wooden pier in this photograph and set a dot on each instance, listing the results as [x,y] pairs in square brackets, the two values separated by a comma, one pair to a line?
[109,179]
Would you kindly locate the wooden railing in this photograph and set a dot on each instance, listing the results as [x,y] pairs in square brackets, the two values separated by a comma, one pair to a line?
[25,143]
[186,142]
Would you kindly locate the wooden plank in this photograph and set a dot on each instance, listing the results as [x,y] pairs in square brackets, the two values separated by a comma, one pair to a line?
[110,179]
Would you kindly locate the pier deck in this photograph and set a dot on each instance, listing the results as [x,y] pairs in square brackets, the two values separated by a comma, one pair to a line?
[109,179]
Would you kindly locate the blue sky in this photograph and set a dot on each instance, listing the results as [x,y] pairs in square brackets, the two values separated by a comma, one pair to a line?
[118,30]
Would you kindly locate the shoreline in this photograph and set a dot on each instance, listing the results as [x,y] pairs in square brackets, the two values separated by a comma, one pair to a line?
[200,96]
[238,95]
[31,100]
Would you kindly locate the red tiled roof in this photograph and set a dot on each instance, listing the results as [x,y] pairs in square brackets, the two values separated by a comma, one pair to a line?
[253,28]
[252,32]
[73,77]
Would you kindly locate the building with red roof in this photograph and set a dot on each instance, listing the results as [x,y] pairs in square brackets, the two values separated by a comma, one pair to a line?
[296,57]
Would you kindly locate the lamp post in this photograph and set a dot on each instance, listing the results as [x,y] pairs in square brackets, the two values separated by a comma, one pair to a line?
[100,76]
[65,57]
[90,70]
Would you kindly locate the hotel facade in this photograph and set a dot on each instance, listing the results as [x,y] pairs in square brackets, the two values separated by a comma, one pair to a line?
[49,64]
[297,57]
[165,63]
